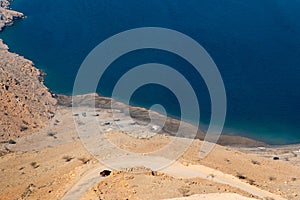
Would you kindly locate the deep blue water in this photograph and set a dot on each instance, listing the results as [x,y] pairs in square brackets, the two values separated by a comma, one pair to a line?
[255,44]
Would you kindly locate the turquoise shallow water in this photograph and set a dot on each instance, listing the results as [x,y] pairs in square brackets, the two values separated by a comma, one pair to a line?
[256,46]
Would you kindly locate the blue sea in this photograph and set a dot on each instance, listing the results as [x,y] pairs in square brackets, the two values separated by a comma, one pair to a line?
[255,44]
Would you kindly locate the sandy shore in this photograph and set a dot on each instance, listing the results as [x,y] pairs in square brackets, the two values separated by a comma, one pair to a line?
[170,127]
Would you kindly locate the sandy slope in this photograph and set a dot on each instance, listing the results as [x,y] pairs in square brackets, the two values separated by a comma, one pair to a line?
[180,171]
[146,184]
[53,176]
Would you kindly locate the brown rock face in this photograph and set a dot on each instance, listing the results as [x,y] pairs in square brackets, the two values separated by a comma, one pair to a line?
[25,103]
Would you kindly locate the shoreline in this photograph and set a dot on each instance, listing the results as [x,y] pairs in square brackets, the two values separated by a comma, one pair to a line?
[141,114]
[225,140]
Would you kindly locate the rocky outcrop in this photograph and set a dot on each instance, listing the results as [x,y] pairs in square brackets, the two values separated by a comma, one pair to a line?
[7,15]
[25,103]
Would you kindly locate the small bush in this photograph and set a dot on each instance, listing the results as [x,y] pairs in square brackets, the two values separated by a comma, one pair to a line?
[24,122]
[251,181]
[153,173]
[241,176]
[272,178]
[23,128]
[52,135]
[255,162]
[12,141]
[34,165]
[68,158]
[84,160]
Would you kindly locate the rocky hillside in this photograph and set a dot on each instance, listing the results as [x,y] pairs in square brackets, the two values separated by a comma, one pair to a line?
[6,15]
[25,103]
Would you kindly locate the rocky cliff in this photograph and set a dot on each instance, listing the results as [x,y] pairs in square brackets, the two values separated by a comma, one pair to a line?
[25,103]
[7,15]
